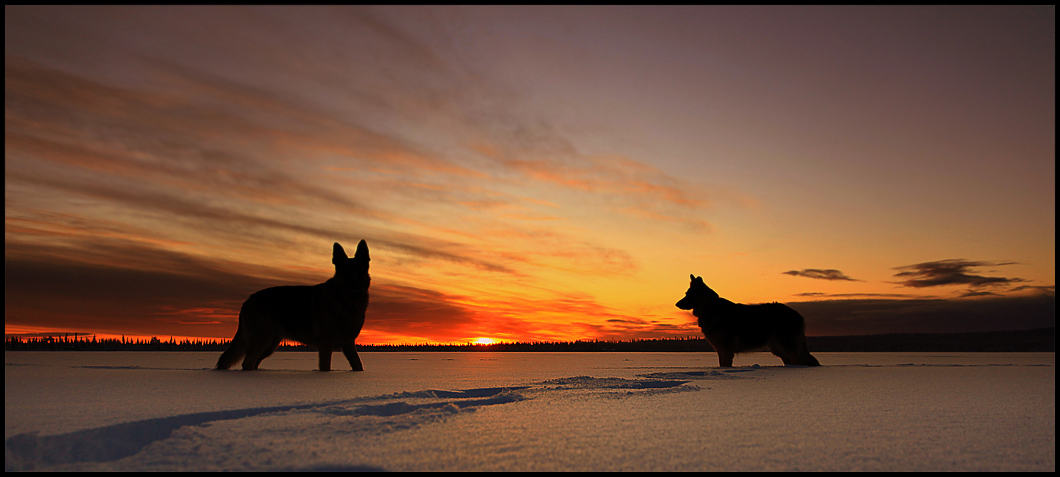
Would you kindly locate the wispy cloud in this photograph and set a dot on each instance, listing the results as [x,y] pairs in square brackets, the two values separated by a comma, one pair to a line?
[189,153]
[182,168]
[1051,289]
[952,272]
[830,274]
[621,185]
[856,295]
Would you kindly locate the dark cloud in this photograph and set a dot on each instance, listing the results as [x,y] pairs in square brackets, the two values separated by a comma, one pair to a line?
[410,311]
[156,292]
[181,295]
[859,295]
[1035,288]
[639,328]
[875,316]
[830,274]
[980,308]
[952,272]
[119,287]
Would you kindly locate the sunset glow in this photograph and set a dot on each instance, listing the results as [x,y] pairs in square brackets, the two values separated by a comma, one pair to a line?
[529,174]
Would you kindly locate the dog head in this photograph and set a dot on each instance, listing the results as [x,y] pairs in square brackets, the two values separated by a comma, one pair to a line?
[352,270]
[698,294]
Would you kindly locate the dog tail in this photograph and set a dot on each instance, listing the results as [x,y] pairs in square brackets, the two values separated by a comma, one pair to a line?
[236,350]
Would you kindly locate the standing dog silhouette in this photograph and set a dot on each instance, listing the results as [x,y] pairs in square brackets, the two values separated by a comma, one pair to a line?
[736,328]
[327,316]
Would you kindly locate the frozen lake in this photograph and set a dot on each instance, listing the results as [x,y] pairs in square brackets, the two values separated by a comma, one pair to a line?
[133,411]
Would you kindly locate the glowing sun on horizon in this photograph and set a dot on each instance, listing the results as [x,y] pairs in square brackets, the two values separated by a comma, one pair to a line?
[484,341]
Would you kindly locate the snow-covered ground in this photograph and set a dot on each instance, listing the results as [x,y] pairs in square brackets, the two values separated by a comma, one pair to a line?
[530,411]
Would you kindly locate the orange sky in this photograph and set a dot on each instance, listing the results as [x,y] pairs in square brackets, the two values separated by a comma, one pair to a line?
[530,173]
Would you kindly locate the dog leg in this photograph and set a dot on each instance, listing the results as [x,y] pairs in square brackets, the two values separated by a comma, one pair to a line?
[805,358]
[325,358]
[725,358]
[351,355]
[782,353]
[268,351]
[254,350]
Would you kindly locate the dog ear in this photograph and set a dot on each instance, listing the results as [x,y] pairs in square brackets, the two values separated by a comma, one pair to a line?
[700,280]
[692,277]
[337,254]
[362,251]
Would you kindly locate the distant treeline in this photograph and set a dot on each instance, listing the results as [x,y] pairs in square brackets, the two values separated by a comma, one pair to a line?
[83,343]
[1036,340]
[664,344]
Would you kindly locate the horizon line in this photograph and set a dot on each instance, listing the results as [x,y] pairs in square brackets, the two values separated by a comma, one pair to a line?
[84,337]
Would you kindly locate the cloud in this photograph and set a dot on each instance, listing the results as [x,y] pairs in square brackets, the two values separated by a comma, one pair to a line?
[172,169]
[1036,288]
[401,310]
[829,274]
[158,292]
[951,272]
[612,175]
[876,316]
[177,295]
[110,284]
[219,159]
[861,295]
[622,185]
[160,182]
[226,139]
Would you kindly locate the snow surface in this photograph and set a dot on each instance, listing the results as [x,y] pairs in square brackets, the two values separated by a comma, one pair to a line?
[134,411]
